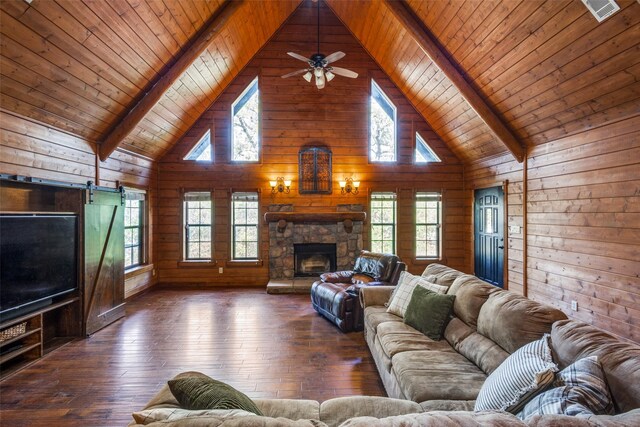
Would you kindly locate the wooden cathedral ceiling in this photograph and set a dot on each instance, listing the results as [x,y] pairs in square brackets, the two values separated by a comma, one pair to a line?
[81,65]
[546,68]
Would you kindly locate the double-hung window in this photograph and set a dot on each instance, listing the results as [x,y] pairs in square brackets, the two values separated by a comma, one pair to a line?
[428,225]
[245,119]
[134,216]
[383,222]
[382,123]
[198,212]
[244,231]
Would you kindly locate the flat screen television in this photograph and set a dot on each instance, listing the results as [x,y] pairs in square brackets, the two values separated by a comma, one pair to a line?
[38,261]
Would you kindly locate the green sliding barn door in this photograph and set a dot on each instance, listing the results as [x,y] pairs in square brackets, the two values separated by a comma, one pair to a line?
[103,259]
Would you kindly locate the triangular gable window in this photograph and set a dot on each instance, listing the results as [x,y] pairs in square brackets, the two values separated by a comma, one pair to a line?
[201,152]
[424,153]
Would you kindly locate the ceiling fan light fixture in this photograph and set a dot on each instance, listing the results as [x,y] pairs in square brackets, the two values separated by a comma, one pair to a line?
[307,76]
[329,75]
[320,79]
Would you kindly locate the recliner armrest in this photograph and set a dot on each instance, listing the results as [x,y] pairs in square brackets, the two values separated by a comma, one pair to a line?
[337,276]
[375,295]
[355,288]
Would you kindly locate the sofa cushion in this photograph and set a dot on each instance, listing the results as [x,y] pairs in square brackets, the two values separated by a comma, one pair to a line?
[628,419]
[440,375]
[447,405]
[149,416]
[441,274]
[378,266]
[512,320]
[404,290]
[293,409]
[518,379]
[374,316]
[439,419]
[199,392]
[578,390]
[486,354]
[333,412]
[471,293]
[396,337]
[428,312]
[378,352]
[209,420]
[457,331]
[572,340]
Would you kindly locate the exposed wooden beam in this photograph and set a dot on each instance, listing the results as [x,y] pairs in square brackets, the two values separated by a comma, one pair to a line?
[165,81]
[428,44]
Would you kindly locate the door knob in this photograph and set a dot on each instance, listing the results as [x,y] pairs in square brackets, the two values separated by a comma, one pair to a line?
[500,247]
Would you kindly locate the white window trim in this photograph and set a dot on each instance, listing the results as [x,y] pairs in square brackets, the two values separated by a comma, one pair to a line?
[395,223]
[197,146]
[395,125]
[247,89]
[437,194]
[418,139]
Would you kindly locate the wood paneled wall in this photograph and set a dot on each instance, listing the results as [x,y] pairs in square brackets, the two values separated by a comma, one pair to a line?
[295,114]
[31,148]
[582,218]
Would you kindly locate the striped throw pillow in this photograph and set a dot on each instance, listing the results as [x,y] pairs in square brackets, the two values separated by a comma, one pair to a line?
[579,390]
[521,376]
[402,293]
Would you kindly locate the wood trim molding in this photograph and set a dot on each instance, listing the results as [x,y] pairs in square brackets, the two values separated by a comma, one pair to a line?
[429,45]
[314,216]
[164,81]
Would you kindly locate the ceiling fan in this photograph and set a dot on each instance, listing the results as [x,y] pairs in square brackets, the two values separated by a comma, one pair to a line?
[319,64]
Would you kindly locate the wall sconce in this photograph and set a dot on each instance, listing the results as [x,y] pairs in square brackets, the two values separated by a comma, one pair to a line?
[349,186]
[280,185]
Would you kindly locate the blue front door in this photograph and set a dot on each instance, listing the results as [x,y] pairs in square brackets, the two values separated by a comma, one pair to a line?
[489,235]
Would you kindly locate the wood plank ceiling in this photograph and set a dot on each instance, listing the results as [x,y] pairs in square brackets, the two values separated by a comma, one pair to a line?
[547,68]
[82,65]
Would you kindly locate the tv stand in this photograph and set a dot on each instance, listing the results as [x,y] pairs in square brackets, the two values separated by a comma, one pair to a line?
[46,329]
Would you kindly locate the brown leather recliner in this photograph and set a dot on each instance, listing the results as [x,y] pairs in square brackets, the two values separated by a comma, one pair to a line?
[336,295]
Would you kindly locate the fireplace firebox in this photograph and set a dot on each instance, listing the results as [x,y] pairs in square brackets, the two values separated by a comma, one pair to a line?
[313,259]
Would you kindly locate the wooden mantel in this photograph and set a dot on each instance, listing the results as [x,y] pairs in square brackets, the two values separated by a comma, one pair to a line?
[314,216]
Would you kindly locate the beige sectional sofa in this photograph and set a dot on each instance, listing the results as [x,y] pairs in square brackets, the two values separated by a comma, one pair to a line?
[488,325]
[435,383]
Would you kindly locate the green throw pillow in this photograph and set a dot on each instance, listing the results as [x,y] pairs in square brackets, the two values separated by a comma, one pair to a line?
[206,393]
[429,312]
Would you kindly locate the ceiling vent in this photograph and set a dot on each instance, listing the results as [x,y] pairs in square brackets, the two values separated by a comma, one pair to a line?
[601,9]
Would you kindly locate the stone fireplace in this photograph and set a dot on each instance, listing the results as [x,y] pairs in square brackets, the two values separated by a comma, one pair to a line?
[288,229]
[313,259]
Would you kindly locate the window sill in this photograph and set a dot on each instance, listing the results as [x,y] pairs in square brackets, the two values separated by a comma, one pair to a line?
[197,263]
[244,263]
[137,270]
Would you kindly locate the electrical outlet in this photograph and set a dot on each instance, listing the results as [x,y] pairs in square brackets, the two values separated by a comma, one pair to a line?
[514,229]
[153,271]
[220,270]
[574,305]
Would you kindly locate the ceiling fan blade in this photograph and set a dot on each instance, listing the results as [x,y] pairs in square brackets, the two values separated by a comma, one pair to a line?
[344,72]
[295,73]
[300,57]
[334,57]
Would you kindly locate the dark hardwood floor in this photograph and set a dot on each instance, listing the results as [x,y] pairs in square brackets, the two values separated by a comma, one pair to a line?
[264,345]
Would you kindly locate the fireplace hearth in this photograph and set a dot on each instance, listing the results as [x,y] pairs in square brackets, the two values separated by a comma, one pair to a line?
[313,259]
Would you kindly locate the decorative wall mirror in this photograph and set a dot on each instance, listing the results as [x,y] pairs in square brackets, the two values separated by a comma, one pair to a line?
[314,166]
